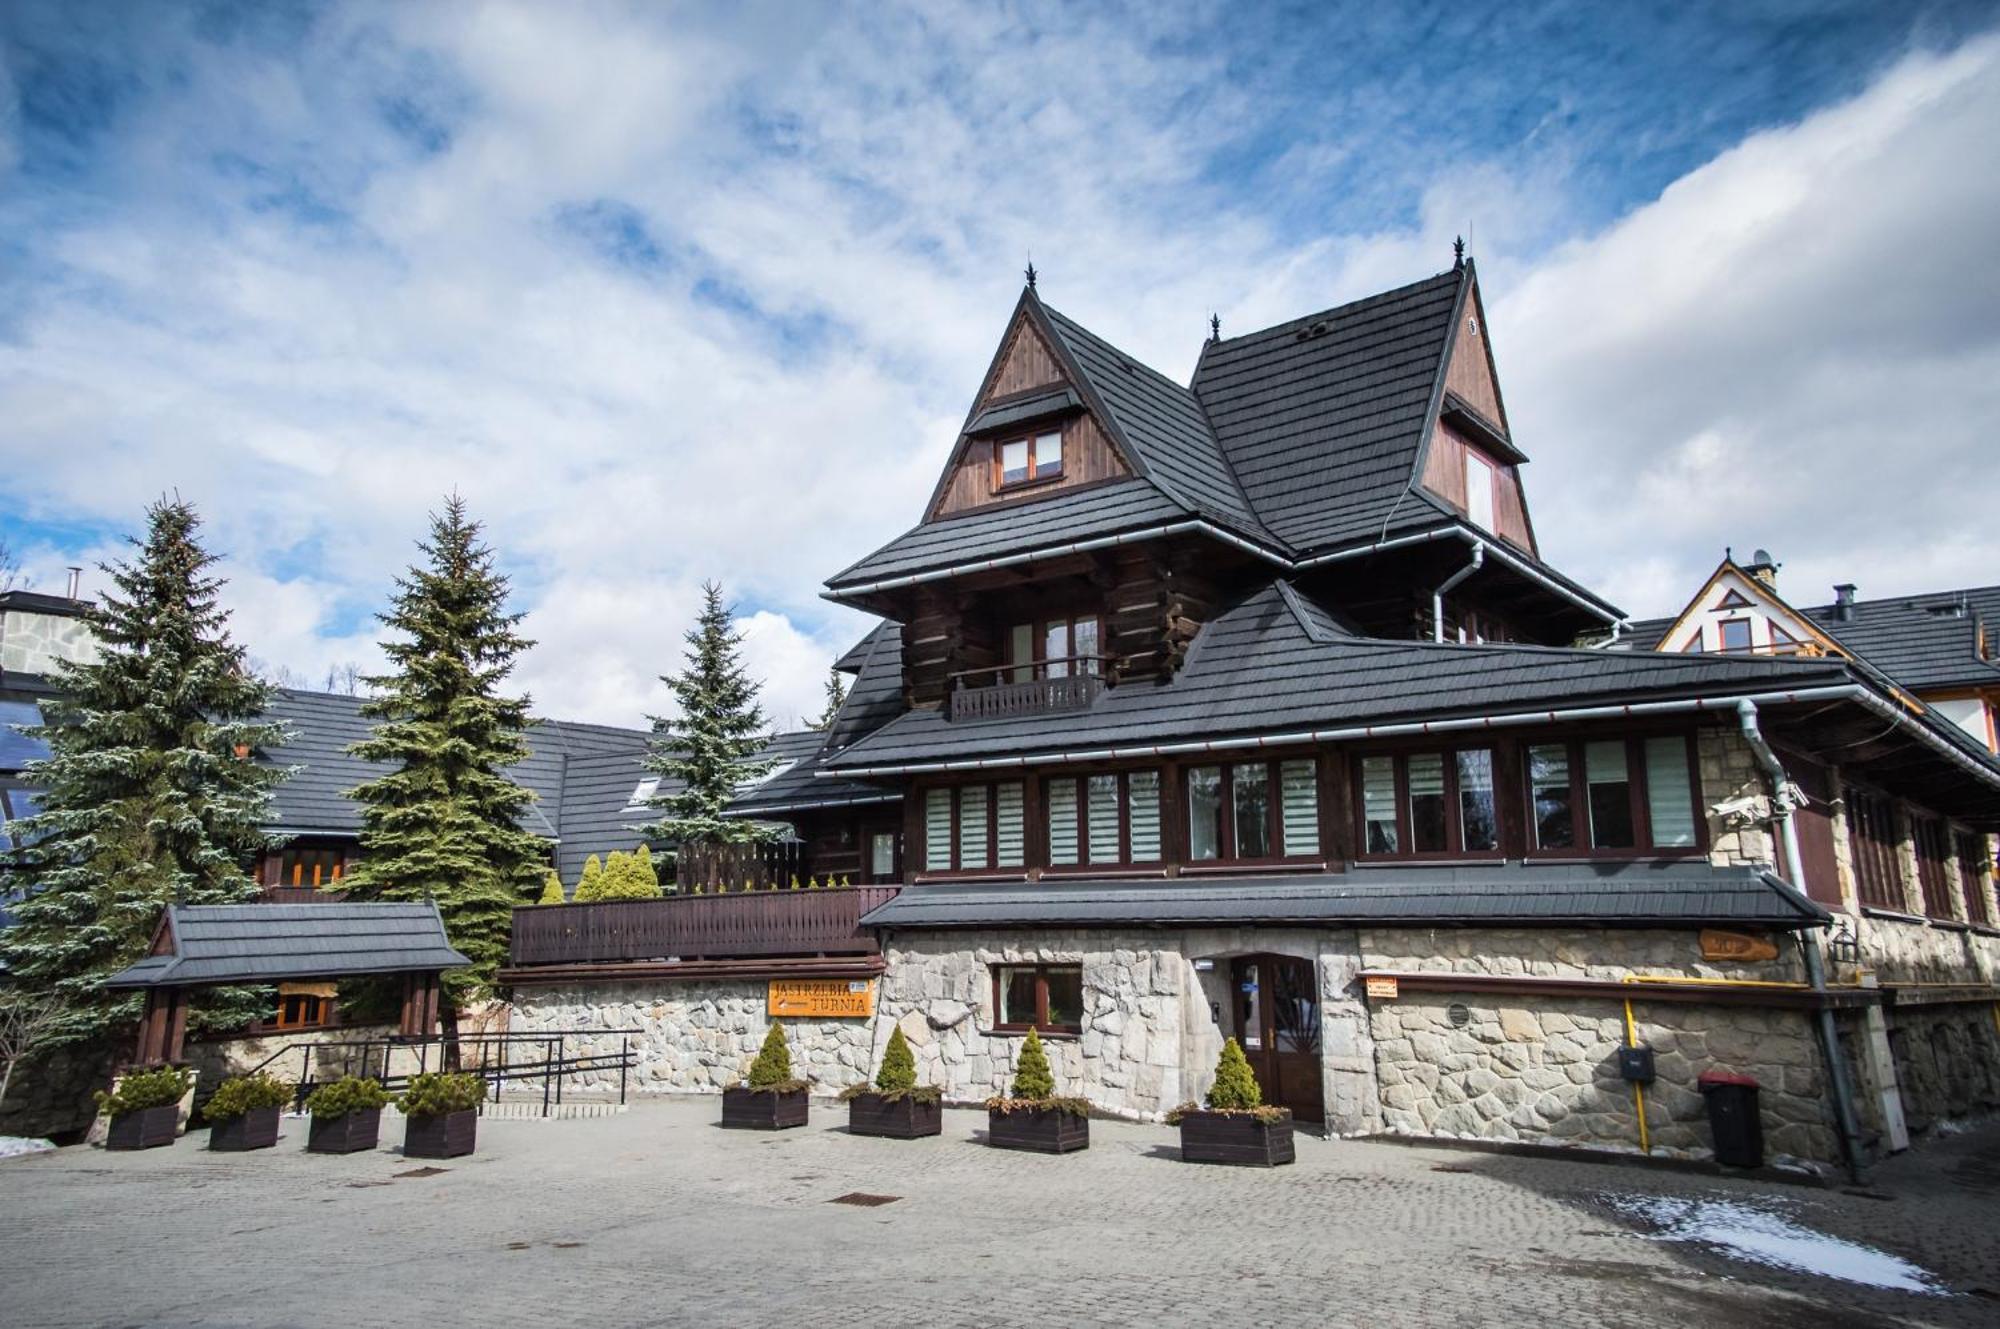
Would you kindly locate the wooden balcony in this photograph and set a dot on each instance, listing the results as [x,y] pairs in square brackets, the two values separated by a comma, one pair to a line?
[1067,684]
[780,924]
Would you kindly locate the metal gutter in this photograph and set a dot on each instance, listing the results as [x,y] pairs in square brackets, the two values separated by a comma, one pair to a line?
[1514,562]
[765,809]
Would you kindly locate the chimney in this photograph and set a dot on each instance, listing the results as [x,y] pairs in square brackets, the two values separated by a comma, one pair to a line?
[1764,569]
[1843,602]
[75,581]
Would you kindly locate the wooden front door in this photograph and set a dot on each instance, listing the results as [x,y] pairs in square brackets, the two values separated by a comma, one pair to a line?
[1277,1022]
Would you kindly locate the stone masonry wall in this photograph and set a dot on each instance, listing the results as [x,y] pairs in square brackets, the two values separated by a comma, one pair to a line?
[1947,1062]
[1729,771]
[31,643]
[1544,1069]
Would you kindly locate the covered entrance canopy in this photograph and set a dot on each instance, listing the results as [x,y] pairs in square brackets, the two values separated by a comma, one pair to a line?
[199,946]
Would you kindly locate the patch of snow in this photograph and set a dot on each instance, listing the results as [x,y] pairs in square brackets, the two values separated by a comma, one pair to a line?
[17,1146]
[1759,1236]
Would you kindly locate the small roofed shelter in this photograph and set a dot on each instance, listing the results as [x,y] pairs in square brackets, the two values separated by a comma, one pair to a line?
[198,946]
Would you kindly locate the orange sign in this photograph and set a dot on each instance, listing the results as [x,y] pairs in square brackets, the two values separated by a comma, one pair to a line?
[1383,989]
[1719,944]
[823,998]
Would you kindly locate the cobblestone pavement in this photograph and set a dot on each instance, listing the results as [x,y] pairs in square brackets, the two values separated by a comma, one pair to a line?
[658,1217]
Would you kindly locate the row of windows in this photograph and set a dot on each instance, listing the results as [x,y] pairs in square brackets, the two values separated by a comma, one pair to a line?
[1584,797]
[1947,870]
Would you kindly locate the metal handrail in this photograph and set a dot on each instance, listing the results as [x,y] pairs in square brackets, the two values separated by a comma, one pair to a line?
[555,1065]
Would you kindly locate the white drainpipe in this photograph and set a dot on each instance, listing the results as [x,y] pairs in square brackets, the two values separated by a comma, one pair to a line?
[1437,596]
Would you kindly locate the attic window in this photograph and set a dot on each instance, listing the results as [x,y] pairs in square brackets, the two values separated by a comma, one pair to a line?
[1037,457]
[1478,491]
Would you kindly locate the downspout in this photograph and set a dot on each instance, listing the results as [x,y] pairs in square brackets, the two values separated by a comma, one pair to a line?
[1437,596]
[1845,1118]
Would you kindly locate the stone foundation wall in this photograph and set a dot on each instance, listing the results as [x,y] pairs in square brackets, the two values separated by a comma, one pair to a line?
[217,1059]
[1905,952]
[1947,1062]
[695,1037]
[52,1093]
[1544,1069]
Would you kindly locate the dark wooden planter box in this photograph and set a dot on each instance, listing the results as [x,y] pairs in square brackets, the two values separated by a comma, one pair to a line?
[347,1134]
[761,1110]
[446,1136]
[148,1128]
[255,1129]
[1043,1130]
[1244,1141]
[899,1119]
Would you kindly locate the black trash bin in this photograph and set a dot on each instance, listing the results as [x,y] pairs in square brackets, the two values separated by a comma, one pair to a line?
[1733,1119]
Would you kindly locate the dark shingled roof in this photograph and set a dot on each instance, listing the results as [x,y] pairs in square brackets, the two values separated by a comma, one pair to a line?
[794,784]
[1919,640]
[1161,421]
[876,696]
[1323,431]
[1264,668]
[1689,893]
[1006,529]
[323,725]
[263,943]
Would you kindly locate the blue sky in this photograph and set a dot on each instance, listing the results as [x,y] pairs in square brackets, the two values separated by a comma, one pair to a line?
[680,292]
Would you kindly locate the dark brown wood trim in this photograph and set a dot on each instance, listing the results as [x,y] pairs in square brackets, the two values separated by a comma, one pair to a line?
[1696,993]
[624,971]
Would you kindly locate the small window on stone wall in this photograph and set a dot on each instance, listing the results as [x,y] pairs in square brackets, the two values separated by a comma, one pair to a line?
[1046,997]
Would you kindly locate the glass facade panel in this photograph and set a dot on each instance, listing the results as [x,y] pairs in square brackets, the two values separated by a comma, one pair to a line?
[1610,785]
[1021,653]
[1477,827]
[1014,462]
[1143,814]
[1065,996]
[1427,821]
[1298,792]
[1055,645]
[972,846]
[882,856]
[1204,812]
[1378,804]
[1010,826]
[1048,455]
[1669,796]
[1548,783]
[1085,638]
[1017,995]
[937,830]
[1252,785]
[1062,822]
[1102,826]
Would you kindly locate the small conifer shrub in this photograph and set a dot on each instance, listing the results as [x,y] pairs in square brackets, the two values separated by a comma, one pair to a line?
[441,1092]
[772,1070]
[244,1093]
[350,1093]
[552,890]
[145,1089]
[898,1073]
[590,886]
[1235,1083]
[1032,1077]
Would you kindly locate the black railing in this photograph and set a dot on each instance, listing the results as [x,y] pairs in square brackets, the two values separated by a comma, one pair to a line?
[495,1058]
[1067,683]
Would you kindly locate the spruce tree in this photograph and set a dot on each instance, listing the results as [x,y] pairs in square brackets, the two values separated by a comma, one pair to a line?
[443,822]
[712,746]
[146,801]
[836,694]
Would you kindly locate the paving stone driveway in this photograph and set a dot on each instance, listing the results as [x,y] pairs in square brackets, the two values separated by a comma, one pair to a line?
[658,1217]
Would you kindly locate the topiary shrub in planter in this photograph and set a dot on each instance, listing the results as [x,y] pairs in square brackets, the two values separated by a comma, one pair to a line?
[441,1114]
[896,1106]
[346,1115]
[243,1112]
[145,1108]
[1033,1116]
[1237,1127]
[770,1100]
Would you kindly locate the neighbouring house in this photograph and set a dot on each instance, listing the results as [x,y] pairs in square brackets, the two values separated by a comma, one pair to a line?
[1249,707]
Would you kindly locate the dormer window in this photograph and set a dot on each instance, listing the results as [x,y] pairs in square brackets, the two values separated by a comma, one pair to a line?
[1037,457]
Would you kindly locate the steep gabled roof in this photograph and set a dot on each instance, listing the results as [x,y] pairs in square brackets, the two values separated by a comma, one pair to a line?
[1274,665]
[1922,641]
[794,784]
[263,943]
[876,696]
[1163,423]
[1323,419]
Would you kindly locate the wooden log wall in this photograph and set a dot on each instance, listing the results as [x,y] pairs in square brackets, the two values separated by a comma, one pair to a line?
[1444,475]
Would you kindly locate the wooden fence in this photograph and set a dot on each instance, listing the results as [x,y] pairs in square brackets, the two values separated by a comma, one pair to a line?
[707,927]
[732,866]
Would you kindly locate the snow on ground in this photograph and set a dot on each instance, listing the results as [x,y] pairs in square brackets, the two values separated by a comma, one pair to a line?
[1760,1236]
[13,1146]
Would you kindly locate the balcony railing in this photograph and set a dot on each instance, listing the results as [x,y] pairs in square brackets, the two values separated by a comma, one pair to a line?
[732,867]
[1068,683]
[760,924]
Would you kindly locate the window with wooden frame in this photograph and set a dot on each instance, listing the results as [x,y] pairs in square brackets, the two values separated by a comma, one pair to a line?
[1932,840]
[302,1010]
[1020,461]
[1734,633]
[1043,997]
[1428,804]
[975,827]
[1253,811]
[1871,837]
[311,867]
[1614,796]
[1975,870]
[1108,819]
[1051,647]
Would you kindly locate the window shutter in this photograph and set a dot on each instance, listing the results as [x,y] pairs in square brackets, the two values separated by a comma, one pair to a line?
[1669,799]
[937,830]
[1104,819]
[1010,825]
[1299,795]
[1144,797]
[1062,821]
[972,827]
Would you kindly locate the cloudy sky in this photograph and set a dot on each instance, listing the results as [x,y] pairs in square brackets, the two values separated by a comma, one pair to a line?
[677,292]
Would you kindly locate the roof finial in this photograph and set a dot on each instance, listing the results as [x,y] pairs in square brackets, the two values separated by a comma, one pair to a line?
[1031,273]
[1458,253]
[1215,327]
